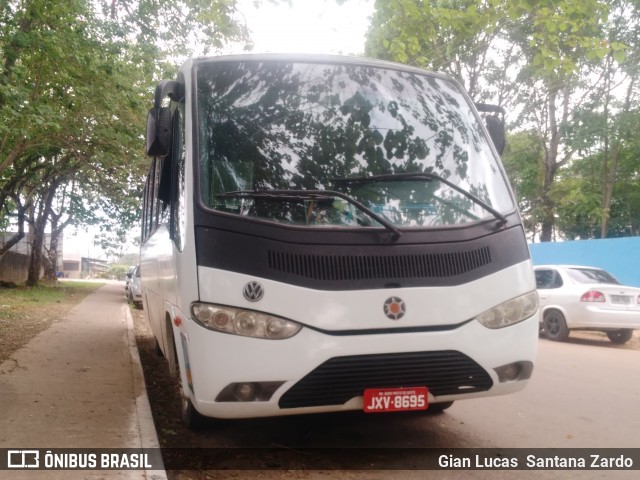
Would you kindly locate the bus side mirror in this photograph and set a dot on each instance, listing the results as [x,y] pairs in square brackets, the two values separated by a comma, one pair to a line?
[159,132]
[495,127]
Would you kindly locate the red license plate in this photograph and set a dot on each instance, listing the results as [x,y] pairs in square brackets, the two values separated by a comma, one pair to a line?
[395,399]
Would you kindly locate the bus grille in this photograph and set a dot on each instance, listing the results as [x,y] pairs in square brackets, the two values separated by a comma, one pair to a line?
[340,379]
[370,267]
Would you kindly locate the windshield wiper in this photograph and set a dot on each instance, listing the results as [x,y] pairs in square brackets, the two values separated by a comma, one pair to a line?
[394,177]
[317,195]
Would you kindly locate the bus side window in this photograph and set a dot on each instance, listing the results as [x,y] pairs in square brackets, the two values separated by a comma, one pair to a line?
[147,211]
[178,196]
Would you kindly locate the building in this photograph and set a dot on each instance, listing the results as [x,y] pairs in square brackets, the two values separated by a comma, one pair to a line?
[14,264]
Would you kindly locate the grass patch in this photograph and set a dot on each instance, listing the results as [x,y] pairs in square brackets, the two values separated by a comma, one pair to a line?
[25,312]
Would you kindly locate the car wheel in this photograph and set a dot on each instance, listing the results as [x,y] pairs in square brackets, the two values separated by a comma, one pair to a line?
[620,336]
[555,326]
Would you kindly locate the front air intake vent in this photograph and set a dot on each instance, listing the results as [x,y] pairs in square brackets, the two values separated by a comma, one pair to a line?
[372,267]
[340,379]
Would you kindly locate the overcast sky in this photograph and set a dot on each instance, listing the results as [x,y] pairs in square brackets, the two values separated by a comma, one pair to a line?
[308,26]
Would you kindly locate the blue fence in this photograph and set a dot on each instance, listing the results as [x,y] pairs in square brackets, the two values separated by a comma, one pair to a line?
[619,256]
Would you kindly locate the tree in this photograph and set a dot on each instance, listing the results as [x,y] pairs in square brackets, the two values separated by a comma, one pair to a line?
[456,37]
[75,79]
[523,161]
[581,183]
[548,50]
[624,27]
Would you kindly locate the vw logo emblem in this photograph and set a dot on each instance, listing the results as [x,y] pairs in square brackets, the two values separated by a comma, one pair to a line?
[253,291]
[394,308]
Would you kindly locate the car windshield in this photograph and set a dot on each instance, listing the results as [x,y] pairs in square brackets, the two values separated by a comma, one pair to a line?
[592,275]
[275,126]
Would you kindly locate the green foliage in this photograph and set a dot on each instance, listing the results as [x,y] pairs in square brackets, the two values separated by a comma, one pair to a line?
[445,35]
[75,83]
[567,69]
[579,186]
[523,161]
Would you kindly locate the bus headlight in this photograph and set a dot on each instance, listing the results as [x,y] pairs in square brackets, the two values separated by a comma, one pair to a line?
[243,322]
[510,312]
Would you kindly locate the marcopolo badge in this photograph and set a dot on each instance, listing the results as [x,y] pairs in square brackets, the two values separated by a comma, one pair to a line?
[394,308]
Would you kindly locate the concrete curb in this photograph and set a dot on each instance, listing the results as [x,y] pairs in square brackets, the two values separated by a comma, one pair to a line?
[146,426]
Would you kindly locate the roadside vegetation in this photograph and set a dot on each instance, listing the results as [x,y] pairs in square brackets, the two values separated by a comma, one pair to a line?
[25,312]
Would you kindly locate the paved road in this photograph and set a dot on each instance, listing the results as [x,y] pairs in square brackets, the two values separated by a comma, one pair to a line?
[583,394]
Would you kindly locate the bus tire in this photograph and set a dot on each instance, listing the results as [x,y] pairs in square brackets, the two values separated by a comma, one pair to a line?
[156,347]
[620,336]
[555,326]
[435,408]
[191,418]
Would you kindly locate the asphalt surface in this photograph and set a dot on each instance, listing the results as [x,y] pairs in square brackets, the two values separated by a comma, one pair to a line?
[79,384]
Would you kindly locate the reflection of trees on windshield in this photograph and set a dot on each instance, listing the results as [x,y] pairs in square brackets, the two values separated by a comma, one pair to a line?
[277,125]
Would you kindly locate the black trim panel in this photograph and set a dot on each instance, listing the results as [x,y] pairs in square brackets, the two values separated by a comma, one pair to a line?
[349,267]
[384,331]
[339,379]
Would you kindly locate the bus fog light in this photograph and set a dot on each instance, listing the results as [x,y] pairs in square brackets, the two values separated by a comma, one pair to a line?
[510,312]
[248,392]
[245,392]
[247,323]
[514,371]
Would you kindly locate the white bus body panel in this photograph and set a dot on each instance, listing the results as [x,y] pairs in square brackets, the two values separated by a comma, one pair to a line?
[219,359]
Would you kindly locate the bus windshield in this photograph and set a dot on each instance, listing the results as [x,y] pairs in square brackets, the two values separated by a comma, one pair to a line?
[268,126]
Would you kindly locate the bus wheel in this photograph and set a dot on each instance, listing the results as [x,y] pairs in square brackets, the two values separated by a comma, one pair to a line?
[620,336]
[156,347]
[191,418]
[435,408]
[555,326]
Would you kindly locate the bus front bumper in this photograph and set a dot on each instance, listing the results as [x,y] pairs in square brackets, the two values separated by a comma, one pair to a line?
[315,372]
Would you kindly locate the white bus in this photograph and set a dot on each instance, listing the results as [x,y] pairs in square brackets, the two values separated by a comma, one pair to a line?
[325,233]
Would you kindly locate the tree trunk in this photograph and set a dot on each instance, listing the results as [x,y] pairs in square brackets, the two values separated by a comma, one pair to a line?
[550,166]
[611,159]
[39,225]
[552,162]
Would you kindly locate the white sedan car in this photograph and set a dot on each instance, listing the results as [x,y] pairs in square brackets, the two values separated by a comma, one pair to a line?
[135,288]
[585,298]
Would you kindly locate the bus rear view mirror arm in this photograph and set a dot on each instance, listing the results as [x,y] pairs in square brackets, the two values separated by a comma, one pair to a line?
[495,126]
